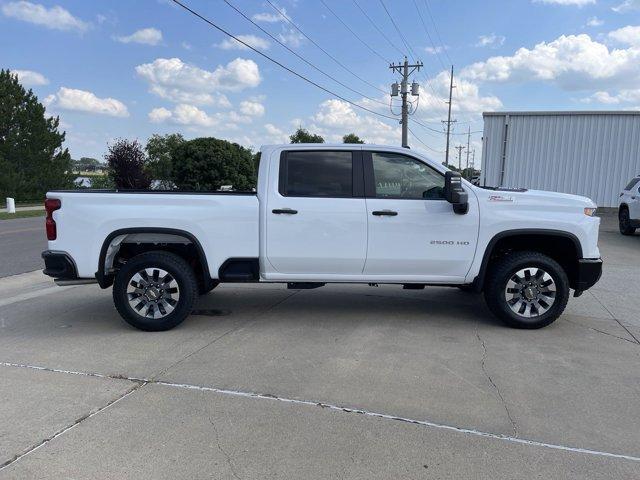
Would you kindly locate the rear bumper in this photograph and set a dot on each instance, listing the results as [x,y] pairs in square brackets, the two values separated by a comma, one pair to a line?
[59,265]
[589,272]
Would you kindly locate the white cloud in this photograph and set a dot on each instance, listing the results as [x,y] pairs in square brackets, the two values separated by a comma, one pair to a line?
[491,41]
[253,40]
[574,62]
[623,96]
[186,45]
[253,109]
[85,101]
[627,6]
[56,17]
[179,82]
[30,78]
[594,22]
[291,37]
[435,50]
[268,17]
[275,134]
[629,35]
[196,118]
[159,115]
[578,3]
[145,36]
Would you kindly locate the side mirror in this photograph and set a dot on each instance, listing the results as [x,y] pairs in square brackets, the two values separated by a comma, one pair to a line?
[455,194]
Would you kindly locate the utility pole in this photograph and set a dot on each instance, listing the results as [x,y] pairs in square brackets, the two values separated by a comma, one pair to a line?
[449,121]
[405,70]
[460,148]
[468,145]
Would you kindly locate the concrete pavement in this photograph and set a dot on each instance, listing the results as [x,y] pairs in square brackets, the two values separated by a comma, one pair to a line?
[442,389]
[21,242]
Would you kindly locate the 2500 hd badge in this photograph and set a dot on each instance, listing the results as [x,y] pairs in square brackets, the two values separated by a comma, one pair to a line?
[448,242]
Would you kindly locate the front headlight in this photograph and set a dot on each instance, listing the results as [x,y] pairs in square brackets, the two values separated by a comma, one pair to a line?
[590,211]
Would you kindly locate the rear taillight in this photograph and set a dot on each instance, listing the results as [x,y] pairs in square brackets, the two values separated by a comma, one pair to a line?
[51,205]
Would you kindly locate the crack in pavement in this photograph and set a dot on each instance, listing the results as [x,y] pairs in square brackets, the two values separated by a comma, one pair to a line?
[613,316]
[237,327]
[502,400]
[328,406]
[599,331]
[139,384]
[224,452]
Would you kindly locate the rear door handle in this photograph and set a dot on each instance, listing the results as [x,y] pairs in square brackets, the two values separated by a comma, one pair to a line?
[286,211]
[388,213]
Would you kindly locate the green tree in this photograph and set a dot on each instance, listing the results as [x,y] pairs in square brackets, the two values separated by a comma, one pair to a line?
[32,159]
[352,138]
[126,162]
[209,163]
[302,135]
[159,157]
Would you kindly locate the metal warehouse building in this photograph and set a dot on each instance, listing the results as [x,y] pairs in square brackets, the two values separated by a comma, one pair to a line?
[594,154]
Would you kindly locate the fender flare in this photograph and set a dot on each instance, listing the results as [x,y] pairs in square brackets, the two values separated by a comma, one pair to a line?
[478,282]
[106,280]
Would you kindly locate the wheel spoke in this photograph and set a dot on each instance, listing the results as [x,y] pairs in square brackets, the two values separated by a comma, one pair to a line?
[530,292]
[153,292]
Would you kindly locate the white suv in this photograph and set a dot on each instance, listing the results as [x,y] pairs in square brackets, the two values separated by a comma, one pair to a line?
[629,207]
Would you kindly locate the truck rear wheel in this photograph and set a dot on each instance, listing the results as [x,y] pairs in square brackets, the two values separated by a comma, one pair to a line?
[527,290]
[155,291]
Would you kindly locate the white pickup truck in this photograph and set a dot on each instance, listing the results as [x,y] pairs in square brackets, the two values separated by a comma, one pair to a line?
[328,214]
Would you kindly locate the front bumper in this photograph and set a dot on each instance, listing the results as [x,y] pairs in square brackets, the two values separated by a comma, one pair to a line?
[589,272]
[59,265]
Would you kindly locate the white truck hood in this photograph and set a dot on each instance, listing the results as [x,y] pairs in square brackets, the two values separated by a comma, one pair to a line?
[535,197]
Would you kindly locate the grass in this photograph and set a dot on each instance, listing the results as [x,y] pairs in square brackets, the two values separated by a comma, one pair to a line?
[23,214]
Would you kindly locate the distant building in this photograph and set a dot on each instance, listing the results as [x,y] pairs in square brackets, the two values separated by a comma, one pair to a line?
[585,153]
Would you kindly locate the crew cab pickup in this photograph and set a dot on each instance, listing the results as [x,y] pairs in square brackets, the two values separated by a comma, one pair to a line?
[328,214]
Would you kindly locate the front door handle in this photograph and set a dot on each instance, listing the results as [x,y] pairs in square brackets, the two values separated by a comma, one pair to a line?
[388,213]
[286,211]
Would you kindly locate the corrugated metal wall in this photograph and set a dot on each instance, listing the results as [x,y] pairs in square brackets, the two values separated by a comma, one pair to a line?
[592,154]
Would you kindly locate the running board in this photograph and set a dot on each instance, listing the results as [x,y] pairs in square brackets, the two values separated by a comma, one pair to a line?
[76,281]
[304,285]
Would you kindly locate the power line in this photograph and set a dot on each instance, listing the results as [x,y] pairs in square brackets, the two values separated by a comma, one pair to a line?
[404,40]
[378,28]
[435,27]
[301,57]
[262,54]
[375,52]
[424,144]
[283,15]
[424,24]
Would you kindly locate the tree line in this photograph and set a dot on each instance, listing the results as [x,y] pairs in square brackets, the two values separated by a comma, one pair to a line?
[33,160]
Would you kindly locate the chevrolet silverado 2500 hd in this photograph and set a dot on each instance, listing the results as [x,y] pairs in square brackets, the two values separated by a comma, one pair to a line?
[328,214]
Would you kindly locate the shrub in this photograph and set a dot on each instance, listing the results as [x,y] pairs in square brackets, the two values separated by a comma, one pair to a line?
[209,163]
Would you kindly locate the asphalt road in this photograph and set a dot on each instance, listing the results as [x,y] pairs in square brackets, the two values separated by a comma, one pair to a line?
[339,382]
[21,242]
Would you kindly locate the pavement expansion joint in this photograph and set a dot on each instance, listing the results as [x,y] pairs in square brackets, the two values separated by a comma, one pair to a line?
[141,382]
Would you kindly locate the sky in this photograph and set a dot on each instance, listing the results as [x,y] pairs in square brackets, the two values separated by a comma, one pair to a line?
[129,69]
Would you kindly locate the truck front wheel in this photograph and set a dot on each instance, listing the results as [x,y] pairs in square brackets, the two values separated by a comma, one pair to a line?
[155,291]
[527,289]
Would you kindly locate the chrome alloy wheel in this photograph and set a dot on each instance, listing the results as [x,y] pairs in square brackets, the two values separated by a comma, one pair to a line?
[530,292]
[153,293]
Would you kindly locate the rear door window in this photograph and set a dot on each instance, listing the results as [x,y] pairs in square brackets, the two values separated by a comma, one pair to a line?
[316,174]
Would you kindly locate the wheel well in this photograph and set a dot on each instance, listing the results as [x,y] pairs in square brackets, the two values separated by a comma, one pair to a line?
[563,248]
[122,245]
[623,206]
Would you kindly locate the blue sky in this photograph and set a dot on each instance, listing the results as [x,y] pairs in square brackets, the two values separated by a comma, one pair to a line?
[129,69]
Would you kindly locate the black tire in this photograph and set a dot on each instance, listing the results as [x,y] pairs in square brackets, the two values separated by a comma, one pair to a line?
[624,222]
[505,270]
[182,276]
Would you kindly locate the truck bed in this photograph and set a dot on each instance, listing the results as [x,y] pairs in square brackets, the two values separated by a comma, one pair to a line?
[224,223]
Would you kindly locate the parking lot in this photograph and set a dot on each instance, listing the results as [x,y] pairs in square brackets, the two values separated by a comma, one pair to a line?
[337,382]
